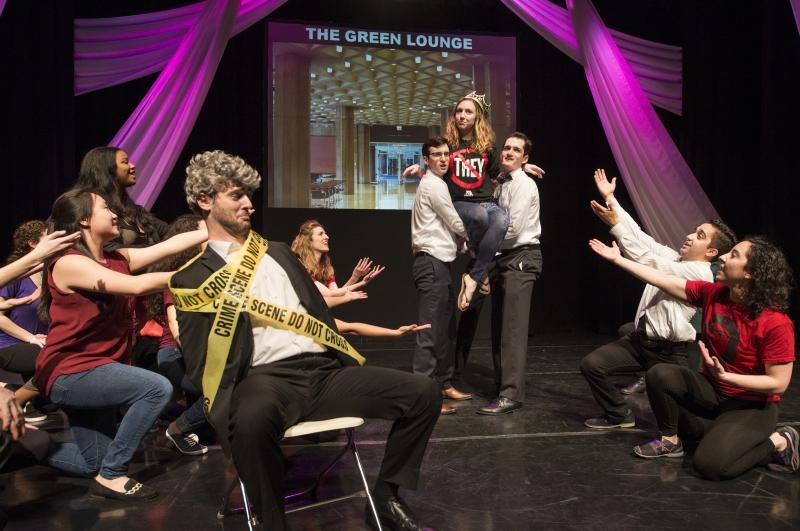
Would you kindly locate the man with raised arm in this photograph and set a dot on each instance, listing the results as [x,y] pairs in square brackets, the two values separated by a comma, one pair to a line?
[662,328]
[258,335]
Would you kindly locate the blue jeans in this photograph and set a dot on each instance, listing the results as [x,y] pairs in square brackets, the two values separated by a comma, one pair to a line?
[170,364]
[90,399]
[486,225]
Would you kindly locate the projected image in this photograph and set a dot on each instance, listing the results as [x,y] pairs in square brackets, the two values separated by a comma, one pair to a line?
[349,109]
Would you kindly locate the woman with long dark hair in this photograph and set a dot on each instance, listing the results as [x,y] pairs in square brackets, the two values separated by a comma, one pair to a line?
[108,172]
[83,367]
[748,359]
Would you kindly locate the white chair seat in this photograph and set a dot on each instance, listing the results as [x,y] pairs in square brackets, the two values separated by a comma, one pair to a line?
[317,426]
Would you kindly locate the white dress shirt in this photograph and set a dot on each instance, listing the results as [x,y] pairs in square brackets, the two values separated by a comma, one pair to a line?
[271,283]
[668,318]
[434,220]
[519,197]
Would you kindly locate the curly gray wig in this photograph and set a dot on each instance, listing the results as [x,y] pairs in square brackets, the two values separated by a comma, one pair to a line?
[211,171]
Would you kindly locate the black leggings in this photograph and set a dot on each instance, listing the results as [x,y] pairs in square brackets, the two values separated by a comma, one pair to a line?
[20,359]
[735,441]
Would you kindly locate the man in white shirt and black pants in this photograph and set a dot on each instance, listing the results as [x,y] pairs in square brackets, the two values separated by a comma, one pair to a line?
[435,224]
[662,332]
[517,267]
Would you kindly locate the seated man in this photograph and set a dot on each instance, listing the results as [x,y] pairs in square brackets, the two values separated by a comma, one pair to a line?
[662,329]
[258,335]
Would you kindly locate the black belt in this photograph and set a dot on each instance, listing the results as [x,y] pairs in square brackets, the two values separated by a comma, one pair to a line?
[662,343]
[421,253]
[526,247]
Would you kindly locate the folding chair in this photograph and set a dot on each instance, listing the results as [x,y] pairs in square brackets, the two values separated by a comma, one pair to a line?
[298,430]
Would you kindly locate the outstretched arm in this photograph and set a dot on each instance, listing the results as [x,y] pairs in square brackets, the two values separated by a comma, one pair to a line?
[48,245]
[141,257]
[671,285]
[81,272]
[364,329]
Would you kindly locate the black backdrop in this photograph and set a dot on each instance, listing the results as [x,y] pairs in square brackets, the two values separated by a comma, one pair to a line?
[738,132]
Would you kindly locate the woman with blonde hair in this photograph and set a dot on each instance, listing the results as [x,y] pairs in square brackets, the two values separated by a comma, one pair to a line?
[311,244]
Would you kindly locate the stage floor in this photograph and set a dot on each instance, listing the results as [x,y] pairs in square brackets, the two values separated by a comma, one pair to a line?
[537,468]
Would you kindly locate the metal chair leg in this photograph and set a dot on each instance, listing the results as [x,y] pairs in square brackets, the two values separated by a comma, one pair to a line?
[251,520]
[352,444]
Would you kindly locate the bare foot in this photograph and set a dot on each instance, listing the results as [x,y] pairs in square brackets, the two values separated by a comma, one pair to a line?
[469,286]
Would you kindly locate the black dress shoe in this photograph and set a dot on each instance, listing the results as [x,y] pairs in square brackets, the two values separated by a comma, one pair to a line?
[395,515]
[500,406]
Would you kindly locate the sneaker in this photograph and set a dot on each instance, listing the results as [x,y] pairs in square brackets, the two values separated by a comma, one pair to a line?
[603,423]
[188,444]
[636,387]
[659,448]
[33,415]
[789,459]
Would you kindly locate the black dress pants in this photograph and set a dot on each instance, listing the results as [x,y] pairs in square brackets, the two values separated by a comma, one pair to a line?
[436,304]
[276,396]
[512,293]
[625,355]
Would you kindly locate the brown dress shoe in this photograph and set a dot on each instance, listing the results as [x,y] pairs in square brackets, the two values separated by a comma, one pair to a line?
[454,394]
[448,410]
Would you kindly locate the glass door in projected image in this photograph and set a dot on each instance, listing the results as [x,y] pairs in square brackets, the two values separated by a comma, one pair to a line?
[391,190]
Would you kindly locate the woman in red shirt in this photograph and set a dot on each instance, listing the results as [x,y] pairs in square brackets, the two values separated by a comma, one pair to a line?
[748,363]
[84,366]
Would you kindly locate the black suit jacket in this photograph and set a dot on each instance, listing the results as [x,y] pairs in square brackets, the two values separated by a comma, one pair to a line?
[195,327]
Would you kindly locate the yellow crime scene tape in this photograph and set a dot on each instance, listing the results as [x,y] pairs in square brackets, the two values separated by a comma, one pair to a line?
[226,293]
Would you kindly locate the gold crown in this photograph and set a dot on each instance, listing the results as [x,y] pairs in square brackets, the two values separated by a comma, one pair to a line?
[479,99]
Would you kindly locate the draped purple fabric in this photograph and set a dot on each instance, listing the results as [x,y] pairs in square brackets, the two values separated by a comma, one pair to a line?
[110,51]
[668,198]
[156,132]
[2,6]
[795,10]
[656,66]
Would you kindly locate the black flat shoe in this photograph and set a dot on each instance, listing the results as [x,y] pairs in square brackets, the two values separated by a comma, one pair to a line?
[500,406]
[134,491]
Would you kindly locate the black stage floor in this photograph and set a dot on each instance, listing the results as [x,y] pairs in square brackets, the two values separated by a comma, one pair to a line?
[537,468]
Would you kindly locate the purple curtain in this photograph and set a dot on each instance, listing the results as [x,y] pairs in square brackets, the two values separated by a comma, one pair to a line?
[2,6]
[156,132]
[795,10]
[656,66]
[110,51]
[666,194]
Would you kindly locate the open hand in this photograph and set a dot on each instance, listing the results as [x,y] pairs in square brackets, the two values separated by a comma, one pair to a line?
[609,253]
[606,215]
[604,186]
[712,362]
[52,243]
[361,268]
[374,272]
[407,329]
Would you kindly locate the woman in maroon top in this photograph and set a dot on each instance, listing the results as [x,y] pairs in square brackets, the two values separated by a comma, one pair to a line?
[748,363]
[83,367]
